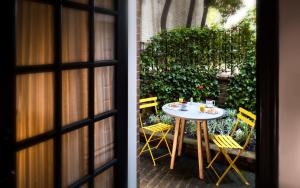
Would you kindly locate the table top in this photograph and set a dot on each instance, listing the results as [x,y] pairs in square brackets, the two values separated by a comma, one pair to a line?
[192,112]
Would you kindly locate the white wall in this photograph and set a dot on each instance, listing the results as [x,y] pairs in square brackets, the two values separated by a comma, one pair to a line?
[132,95]
[289,94]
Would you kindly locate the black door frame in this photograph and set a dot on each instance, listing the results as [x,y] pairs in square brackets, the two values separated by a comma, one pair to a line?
[267,89]
[267,93]
[8,72]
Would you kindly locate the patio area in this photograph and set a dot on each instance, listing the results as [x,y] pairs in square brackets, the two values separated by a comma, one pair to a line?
[198,91]
[185,174]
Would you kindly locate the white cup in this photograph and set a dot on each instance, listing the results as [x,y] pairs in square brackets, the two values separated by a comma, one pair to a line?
[210,103]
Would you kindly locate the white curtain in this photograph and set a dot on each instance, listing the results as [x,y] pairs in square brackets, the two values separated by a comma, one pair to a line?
[34,104]
[74,156]
[74,95]
[105,3]
[35,166]
[74,35]
[105,179]
[104,37]
[104,141]
[34,33]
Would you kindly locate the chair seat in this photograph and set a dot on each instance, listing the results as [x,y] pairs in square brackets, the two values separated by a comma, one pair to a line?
[158,127]
[225,141]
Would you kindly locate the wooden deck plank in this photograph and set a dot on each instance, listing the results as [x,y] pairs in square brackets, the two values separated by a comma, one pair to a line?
[184,175]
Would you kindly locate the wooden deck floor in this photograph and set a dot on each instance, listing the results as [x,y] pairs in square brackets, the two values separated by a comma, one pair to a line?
[184,175]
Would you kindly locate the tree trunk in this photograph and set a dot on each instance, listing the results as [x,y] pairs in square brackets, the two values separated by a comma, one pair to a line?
[163,20]
[190,15]
[205,11]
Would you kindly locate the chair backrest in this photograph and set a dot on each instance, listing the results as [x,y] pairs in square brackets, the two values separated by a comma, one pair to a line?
[150,102]
[248,118]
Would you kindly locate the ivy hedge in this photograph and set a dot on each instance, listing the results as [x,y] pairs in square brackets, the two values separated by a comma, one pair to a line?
[178,81]
[241,90]
[175,62]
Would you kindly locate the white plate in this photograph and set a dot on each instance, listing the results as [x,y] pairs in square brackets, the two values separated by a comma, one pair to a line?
[215,112]
[174,108]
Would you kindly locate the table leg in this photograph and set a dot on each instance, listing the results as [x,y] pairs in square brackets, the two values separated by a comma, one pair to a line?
[199,145]
[181,136]
[174,143]
[208,157]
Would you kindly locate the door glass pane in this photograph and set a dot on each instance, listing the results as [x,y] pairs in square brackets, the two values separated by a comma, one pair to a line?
[74,35]
[34,104]
[81,1]
[109,4]
[104,141]
[104,89]
[84,186]
[35,166]
[104,37]
[74,95]
[34,33]
[105,179]
[74,156]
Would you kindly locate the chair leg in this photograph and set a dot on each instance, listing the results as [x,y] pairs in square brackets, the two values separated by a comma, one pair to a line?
[210,165]
[232,165]
[224,173]
[148,140]
[151,154]
[164,138]
[146,144]
[213,160]
[163,135]
[142,150]
[239,173]
[149,149]
[167,144]
[161,139]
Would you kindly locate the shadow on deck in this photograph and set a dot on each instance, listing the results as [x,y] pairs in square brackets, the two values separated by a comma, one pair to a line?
[185,174]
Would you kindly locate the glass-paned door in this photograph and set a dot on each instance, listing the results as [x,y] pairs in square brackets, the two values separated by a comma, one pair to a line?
[69,126]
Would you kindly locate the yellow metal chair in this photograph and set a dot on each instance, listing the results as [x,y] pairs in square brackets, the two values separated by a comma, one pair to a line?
[225,142]
[160,129]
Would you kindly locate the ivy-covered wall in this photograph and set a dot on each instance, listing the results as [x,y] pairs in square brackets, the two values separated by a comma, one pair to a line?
[175,62]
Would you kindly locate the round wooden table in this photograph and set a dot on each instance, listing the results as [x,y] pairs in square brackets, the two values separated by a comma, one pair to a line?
[192,112]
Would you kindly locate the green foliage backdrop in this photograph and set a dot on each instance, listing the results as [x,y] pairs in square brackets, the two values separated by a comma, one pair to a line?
[178,80]
[226,7]
[242,87]
[175,62]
